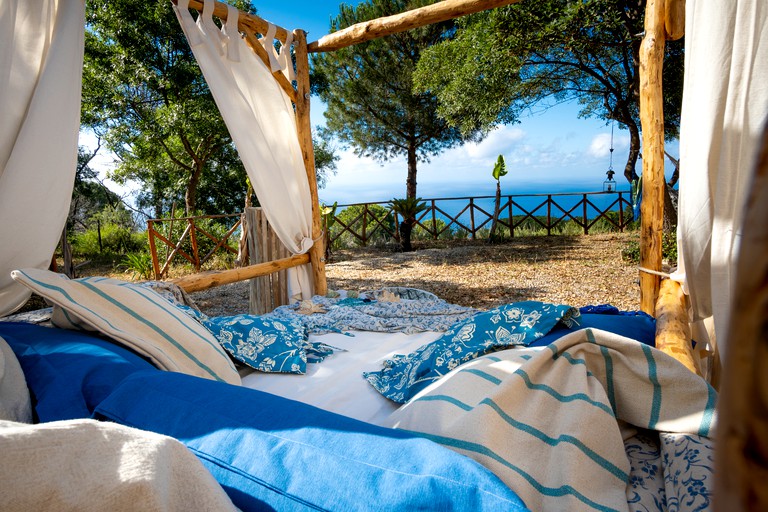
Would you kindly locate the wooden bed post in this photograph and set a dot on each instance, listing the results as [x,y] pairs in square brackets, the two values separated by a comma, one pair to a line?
[652,120]
[304,128]
[741,459]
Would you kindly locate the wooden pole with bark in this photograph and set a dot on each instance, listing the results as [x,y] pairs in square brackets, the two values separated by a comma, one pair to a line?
[652,119]
[304,128]
[380,27]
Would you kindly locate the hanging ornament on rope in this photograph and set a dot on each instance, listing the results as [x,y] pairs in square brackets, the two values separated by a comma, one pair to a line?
[609,185]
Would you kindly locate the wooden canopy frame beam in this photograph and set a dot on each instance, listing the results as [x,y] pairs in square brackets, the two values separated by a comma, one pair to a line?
[380,27]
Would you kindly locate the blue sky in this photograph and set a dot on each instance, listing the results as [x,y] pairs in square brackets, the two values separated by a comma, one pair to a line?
[551,149]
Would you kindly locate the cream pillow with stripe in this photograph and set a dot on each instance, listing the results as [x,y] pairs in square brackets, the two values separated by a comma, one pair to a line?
[137,317]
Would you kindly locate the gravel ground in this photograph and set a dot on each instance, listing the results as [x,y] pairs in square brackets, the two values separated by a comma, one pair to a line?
[574,270]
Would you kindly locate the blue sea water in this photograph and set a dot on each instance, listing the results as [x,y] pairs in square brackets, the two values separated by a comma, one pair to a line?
[533,202]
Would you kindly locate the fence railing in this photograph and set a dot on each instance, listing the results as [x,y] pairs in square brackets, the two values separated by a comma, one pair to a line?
[187,245]
[475,214]
[370,221]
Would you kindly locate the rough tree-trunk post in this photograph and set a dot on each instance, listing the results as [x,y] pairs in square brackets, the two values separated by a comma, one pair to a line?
[652,117]
[304,127]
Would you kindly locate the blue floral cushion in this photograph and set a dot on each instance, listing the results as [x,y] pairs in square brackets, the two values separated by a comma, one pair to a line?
[516,324]
[268,345]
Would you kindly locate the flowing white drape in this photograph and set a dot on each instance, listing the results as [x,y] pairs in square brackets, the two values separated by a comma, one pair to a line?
[725,104]
[262,124]
[41,63]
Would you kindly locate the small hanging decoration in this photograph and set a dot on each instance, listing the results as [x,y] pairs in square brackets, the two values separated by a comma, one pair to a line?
[609,185]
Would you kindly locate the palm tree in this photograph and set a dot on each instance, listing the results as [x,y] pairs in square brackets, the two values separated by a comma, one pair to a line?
[499,170]
[408,209]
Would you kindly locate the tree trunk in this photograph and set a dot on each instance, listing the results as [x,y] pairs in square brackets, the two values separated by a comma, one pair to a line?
[410,183]
[405,235]
[634,151]
[676,173]
[190,195]
[670,211]
[242,248]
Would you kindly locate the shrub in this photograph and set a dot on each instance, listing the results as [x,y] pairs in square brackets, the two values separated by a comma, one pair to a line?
[106,241]
[140,263]
[352,216]
[631,252]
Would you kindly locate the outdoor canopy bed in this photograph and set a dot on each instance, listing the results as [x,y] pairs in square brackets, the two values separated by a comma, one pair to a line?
[581,412]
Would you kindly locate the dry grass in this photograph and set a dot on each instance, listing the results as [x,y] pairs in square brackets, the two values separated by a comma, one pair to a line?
[574,270]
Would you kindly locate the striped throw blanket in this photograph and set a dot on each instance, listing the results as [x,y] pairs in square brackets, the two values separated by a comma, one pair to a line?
[556,424]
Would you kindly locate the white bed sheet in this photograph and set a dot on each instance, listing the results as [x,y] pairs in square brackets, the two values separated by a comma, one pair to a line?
[337,384]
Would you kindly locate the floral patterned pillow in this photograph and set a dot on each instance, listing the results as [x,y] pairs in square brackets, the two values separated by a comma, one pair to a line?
[516,324]
[267,345]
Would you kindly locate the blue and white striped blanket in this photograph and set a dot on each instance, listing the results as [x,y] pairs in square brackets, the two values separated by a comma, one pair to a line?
[557,424]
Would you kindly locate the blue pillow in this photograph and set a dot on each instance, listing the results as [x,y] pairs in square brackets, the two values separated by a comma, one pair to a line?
[271,453]
[516,324]
[68,372]
[267,345]
[639,327]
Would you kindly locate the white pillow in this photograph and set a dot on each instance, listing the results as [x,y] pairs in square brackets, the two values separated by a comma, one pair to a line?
[15,404]
[137,317]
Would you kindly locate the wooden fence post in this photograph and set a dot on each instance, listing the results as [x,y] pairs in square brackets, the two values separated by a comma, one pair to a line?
[434,221]
[153,248]
[549,214]
[621,213]
[472,216]
[193,239]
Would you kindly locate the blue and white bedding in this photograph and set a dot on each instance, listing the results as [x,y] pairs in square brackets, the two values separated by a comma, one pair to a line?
[396,309]
[74,374]
[554,423]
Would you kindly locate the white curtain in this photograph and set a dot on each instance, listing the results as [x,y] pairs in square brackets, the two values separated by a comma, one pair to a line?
[41,63]
[725,105]
[262,124]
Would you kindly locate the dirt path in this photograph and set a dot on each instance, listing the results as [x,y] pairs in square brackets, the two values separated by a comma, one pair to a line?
[575,270]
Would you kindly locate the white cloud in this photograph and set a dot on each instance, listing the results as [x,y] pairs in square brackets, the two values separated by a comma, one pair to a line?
[601,144]
[498,142]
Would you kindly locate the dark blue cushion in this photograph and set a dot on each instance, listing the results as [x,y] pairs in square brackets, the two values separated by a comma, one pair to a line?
[269,452]
[68,372]
[639,327]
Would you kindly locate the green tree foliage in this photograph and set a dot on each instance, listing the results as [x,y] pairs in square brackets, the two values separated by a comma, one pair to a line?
[505,61]
[325,156]
[368,90]
[89,195]
[145,93]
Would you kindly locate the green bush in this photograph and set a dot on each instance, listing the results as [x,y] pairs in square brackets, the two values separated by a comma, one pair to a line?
[631,252]
[669,247]
[217,228]
[352,216]
[106,241]
[432,228]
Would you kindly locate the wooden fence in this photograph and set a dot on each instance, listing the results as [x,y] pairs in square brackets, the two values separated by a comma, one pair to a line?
[548,212]
[187,245]
[544,211]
